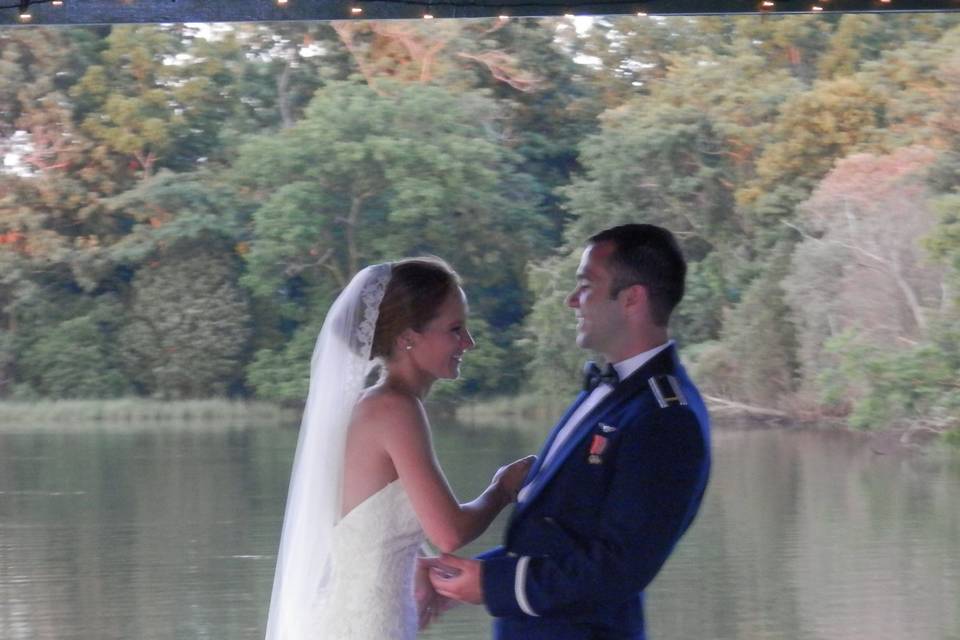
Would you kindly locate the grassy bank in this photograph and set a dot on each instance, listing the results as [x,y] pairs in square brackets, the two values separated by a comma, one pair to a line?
[508,412]
[127,411]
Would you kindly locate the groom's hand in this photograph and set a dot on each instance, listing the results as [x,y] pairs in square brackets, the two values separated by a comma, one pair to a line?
[459,579]
[430,604]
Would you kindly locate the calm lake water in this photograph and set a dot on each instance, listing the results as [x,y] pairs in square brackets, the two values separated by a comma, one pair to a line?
[171,533]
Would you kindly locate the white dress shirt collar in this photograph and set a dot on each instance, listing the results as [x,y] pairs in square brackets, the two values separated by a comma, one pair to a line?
[626,367]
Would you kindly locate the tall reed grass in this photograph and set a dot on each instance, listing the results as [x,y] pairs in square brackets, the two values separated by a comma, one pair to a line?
[537,410]
[140,411]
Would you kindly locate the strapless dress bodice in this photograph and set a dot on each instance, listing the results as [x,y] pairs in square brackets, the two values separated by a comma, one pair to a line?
[370,594]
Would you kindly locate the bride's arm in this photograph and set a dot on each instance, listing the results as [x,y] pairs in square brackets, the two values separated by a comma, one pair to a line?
[448,524]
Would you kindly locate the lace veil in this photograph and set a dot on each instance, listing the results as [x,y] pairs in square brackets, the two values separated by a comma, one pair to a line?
[338,370]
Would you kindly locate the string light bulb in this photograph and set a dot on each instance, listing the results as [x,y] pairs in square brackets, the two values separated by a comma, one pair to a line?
[356,10]
[767,4]
[816,8]
[282,3]
[641,14]
[25,11]
[428,16]
[57,3]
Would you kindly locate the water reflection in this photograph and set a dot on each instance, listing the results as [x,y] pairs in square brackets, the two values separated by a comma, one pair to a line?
[171,533]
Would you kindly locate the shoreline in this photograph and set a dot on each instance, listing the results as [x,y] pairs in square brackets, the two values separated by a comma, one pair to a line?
[528,411]
[525,412]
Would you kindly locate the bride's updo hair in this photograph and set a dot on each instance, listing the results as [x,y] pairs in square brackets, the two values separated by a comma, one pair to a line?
[417,289]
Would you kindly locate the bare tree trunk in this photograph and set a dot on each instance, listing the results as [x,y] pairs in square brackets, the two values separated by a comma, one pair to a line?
[723,403]
[283,97]
[146,160]
[913,303]
[355,206]
[350,222]
[426,61]
[346,31]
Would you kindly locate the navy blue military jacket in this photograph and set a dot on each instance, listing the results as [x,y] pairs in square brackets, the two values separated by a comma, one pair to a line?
[601,519]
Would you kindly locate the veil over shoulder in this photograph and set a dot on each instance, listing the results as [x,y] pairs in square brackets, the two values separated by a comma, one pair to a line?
[338,370]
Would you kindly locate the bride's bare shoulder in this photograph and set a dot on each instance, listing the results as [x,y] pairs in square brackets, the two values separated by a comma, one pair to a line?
[382,405]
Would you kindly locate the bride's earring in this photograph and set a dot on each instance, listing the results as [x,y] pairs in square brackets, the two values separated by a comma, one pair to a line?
[408,347]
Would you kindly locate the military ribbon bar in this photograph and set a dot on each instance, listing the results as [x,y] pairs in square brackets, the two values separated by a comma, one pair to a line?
[596,449]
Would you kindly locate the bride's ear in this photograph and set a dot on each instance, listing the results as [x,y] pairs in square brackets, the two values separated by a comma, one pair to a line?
[406,341]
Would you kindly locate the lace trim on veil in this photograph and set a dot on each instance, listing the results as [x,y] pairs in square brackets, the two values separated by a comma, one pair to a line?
[339,369]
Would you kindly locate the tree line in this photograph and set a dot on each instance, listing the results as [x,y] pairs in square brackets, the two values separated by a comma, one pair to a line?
[179,204]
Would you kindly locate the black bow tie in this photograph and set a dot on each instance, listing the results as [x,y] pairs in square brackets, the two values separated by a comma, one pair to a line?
[592,376]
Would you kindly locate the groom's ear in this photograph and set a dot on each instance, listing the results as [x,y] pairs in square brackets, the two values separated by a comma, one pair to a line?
[634,297]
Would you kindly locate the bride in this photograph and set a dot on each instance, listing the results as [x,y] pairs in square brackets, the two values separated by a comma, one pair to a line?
[366,487]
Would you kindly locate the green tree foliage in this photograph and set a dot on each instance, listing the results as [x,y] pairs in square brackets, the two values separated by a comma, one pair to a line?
[171,207]
[885,388]
[75,359]
[422,160]
[550,103]
[57,335]
[271,72]
[944,242]
[551,330]
[634,55]
[792,43]
[377,177]
[660,164]
[654,163]
[545,101]
[815,129]
[762,353]
[188,325]
[141,161]
[857,39]
[151,100]
[282,374]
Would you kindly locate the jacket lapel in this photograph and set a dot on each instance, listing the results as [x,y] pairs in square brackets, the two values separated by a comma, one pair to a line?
[636,383]
[535,469]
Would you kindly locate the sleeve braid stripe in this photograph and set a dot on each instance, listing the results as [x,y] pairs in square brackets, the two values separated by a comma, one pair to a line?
[520,587]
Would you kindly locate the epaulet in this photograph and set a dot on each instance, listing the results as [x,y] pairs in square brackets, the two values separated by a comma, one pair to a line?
[666,390]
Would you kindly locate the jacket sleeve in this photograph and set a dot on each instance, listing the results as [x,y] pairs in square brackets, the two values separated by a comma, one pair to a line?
[489,554]
[658,481]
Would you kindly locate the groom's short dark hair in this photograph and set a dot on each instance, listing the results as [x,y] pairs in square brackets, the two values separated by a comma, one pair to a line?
[649,256]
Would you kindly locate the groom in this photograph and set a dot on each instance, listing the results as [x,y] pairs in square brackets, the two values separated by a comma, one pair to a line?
[621,476]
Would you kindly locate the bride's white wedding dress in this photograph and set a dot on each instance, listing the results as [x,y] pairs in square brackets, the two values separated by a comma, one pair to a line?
[370,595]
[347,578]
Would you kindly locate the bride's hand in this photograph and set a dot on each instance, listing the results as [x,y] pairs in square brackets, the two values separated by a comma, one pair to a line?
[509,478]
[430,604]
